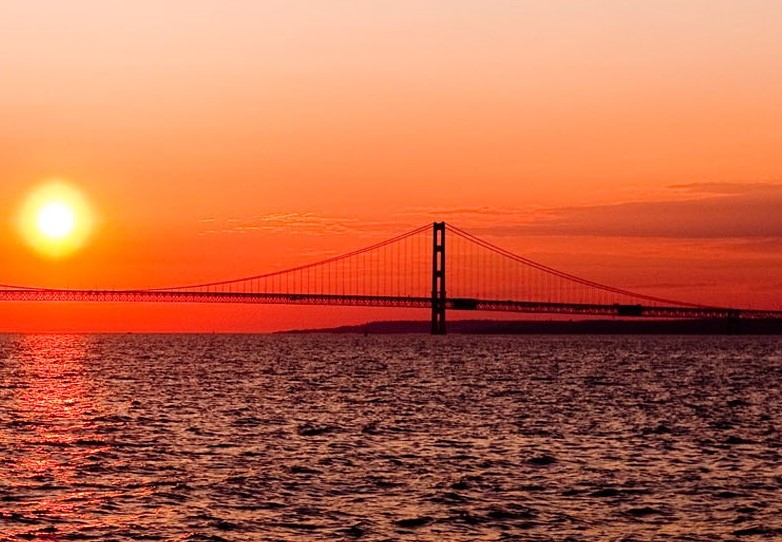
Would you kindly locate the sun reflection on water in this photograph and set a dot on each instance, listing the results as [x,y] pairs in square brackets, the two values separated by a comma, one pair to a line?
[50,412]
[58,392]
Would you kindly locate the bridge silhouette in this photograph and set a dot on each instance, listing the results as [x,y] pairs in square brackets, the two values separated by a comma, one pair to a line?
[410,270]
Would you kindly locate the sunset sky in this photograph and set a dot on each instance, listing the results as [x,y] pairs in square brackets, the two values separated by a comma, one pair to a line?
[633,143]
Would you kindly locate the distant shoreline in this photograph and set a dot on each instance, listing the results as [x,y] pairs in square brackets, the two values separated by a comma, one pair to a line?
[556,327]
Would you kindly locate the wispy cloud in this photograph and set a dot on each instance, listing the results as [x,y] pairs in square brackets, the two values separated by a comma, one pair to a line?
[726,188]
[514,216]
[300,223]
[290,222]
[750,214]
[713,211]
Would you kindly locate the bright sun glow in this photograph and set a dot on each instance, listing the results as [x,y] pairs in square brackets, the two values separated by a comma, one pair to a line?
[56,219]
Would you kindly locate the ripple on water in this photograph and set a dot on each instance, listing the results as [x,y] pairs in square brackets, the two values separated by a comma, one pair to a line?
[383,438]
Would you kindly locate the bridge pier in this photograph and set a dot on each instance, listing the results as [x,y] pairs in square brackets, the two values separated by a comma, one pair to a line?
[438,278]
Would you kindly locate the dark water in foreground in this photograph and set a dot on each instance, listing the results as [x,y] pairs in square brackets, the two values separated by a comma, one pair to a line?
[387,438]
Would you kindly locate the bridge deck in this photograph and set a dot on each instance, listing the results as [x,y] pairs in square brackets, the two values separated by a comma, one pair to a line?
[459,304]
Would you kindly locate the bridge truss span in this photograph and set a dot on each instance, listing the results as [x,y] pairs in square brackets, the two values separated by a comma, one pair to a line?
[48,295]
[409,271]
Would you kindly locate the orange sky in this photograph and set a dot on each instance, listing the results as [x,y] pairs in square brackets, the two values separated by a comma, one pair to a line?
[634,143]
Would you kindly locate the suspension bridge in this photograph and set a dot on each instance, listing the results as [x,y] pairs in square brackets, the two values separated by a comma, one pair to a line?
[410,270]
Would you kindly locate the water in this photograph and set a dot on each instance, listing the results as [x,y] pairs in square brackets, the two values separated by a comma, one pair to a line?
[390,438]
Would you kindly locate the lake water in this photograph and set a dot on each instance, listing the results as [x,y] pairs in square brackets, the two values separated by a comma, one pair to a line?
[390,438]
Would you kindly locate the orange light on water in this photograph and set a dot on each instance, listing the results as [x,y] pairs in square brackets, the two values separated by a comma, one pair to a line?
[54,410]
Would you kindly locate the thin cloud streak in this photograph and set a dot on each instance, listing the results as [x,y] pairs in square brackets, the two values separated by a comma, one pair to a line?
[728,211]
[748,214]
[299,223]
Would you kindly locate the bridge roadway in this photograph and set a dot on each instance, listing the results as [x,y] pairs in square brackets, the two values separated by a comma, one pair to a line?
[459,304]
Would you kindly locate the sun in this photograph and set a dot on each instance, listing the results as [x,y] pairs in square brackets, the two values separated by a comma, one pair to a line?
[56,219]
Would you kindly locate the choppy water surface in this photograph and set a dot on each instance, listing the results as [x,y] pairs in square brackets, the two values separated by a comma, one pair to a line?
[387,438]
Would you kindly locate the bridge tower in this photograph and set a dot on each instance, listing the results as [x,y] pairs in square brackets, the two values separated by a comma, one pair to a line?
[438,278]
